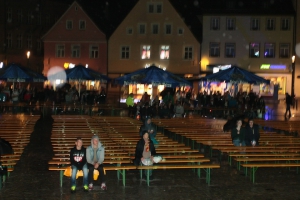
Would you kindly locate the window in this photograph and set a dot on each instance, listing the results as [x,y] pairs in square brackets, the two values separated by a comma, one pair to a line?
[180,31]
[270,24]
[255,24]
[285,24]
[229,50]
[129,31]
[168,29]
[230,24]
[9,40]
[81,24]
[125,52]
[269,50]
[19,41]
[164,52]
[188,53]
[215,24]
[69,24]
[94,51]
[155,28]
[146,51]
[142,29]
[39,19]
[75,51]
[154,7]
[29,17]
[29,41]
[60,51]
[214,49]
[20,16]
[254,50]
[284,50]
[9,15]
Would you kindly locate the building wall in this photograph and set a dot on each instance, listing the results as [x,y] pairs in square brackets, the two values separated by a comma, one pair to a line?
[139,14]
[297,52]
[60,35]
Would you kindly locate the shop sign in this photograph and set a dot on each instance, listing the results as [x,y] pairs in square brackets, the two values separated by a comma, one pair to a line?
[269,66]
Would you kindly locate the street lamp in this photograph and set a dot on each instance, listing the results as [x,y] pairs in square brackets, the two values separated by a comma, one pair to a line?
[28,56]
[293,75]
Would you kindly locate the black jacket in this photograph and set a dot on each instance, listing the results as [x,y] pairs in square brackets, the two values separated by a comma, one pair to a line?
[252,134]
[78,157]
[139,151]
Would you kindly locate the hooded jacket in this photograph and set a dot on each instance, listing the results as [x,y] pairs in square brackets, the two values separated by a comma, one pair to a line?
[252,134]
[78,157]
[90,152]
[147,127]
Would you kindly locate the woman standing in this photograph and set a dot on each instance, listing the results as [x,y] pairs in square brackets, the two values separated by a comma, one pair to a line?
[238,134]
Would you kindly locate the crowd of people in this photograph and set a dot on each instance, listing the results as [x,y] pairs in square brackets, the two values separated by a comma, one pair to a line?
[205,104]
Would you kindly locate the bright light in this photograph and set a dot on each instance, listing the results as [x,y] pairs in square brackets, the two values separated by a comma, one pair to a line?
[216,69]
[28,54]
[71,65]
[55,73]
[93,83]
[164,69]
[293,59]
[66,65]
[57,81]
[1,64]
[86,65]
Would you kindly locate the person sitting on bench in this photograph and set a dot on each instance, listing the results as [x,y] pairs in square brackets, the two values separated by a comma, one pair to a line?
[150,128]
[252,134]
[95,158]
[78,162]
[144,152]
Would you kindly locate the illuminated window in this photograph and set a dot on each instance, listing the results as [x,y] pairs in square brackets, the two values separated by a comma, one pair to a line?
[94,51]
[188,53]
[75,51]
[146,51]
[254,50]
[69,24]
[164,52]
[215,24]
[285,24]
[125,52]
[214,49]
[255,24]
[230,24]
[284,50]
[269,50]
[60,51]
[229,50]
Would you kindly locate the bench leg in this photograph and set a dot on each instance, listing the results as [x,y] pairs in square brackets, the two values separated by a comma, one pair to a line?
[207,175]
[0,182]
[252,173]
[148,178]
[61,174]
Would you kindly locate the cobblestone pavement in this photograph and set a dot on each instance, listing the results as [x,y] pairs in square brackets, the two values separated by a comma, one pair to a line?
[31,180]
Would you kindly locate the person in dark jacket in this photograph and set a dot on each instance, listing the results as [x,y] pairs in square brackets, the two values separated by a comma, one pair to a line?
[144,152]
[238,134]
[252,134]
[150,128]
[78,162]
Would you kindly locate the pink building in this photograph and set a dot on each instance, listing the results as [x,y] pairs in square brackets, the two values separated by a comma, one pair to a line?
[75,39]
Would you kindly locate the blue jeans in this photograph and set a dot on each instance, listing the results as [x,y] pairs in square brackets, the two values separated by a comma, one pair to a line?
[74,172]
[238,143]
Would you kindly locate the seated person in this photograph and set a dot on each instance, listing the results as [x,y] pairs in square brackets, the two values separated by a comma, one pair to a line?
[144,152]
[252,134]
[78,162]
[150,128]
[238,134]
[95,158]
[178,110]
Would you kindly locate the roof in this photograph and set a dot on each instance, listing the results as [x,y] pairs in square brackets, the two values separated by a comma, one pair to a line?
[247,7]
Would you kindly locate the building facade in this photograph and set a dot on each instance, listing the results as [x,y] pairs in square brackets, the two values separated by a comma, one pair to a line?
[260,43]
[22,25]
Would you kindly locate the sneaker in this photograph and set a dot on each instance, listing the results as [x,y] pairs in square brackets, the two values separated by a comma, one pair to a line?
[103,186]
[86,188]
[90,186]
[73,189]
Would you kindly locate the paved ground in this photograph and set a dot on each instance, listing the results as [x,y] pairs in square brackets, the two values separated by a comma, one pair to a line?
[31,179]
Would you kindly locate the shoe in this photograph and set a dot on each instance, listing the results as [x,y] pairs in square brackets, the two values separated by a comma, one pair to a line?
[85,188]
[91,186]
[103,186]
[73,189]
